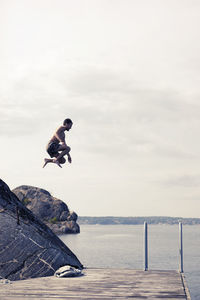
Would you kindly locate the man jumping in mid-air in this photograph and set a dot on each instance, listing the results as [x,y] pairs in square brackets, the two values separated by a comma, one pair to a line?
[57,146]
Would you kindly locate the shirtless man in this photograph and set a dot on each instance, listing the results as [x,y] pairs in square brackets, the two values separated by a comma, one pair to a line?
[57,146]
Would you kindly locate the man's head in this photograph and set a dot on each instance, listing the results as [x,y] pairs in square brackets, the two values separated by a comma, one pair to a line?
[68,124]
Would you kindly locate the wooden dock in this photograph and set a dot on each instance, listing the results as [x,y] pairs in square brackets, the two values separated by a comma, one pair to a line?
[101,284]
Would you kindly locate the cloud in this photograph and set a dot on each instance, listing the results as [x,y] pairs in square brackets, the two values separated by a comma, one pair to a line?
[184,181]
[114,113]
[126,112]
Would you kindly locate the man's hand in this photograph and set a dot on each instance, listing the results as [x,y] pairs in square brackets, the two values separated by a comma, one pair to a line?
[55,161]
[69,159]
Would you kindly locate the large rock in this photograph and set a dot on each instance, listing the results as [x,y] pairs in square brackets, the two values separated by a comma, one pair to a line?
[28,248]
[50,210]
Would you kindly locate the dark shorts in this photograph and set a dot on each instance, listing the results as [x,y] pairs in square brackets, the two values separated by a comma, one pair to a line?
[52,149]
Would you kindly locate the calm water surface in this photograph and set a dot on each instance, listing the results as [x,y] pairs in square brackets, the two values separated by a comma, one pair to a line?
[121,246]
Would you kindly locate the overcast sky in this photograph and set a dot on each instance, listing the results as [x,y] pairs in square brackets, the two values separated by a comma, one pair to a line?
[127,72]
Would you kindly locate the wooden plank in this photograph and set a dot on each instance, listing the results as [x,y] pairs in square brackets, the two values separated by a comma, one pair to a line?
[100,284]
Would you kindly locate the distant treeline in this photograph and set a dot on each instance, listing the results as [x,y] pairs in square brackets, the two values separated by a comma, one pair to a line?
[136,220]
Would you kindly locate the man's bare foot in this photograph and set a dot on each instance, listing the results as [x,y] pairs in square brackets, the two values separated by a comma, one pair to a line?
[46,161]
[55,161]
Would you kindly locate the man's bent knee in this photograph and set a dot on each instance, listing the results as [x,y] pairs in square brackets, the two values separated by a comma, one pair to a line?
[64,148]
[68,149]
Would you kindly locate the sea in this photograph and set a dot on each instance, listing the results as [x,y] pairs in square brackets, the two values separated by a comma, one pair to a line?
[122,246]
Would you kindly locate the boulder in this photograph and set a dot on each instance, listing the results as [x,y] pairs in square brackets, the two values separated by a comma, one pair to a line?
[28,247]
[72,216]
[64,216]
[50,210]
[71,226]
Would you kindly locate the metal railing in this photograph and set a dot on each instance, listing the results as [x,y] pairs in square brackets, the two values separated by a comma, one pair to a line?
[180,247]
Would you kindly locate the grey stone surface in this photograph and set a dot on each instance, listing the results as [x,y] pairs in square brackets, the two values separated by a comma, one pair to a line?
[28,248]
[72,217]
[50,210]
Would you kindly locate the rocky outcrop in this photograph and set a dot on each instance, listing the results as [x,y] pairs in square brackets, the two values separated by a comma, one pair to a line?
[50,210]
[28,248]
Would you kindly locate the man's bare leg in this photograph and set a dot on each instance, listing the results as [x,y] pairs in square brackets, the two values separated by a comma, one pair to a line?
[63,153]
[59,158]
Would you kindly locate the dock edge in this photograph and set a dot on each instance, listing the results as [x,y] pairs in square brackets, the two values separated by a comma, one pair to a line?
[185,286]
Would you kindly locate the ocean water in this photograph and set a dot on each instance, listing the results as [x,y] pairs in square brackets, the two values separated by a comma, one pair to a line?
[122,246]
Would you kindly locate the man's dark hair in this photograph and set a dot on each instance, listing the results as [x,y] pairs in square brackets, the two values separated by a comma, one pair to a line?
[67,121]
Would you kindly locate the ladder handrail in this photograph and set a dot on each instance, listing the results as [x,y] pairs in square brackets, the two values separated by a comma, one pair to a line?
[180,247]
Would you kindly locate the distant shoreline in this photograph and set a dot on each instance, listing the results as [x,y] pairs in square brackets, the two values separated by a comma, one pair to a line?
[109,220]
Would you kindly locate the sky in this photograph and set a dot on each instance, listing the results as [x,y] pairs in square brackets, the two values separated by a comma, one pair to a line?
[127,72]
